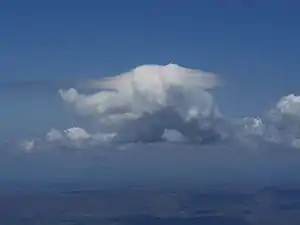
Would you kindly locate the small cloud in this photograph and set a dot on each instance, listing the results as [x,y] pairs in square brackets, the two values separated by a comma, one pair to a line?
[289,105]
[28,145]
[78,137]
[76,134]
[54,135]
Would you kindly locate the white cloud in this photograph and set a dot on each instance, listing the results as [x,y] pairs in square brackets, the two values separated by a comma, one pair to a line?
[289,105]
[54,135]
[142,103]
[76,133]
[77,137]
[171,103]
[71,134]
[154,103]
[283,121]
[147,89]
[28,145]
[253,126]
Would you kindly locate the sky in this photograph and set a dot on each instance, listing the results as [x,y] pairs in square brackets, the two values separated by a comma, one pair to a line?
[50,50]
[253,45]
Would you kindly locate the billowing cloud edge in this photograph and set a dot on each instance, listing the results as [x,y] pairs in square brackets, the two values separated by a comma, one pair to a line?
[168,103]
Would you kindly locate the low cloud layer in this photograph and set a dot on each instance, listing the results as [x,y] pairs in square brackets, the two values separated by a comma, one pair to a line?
[169,103]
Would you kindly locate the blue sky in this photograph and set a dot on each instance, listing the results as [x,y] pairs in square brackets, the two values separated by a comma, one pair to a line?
[253,46]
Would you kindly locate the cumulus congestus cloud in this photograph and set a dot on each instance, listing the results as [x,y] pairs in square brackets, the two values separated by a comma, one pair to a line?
[156,103]
[145,102]
[147,89]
